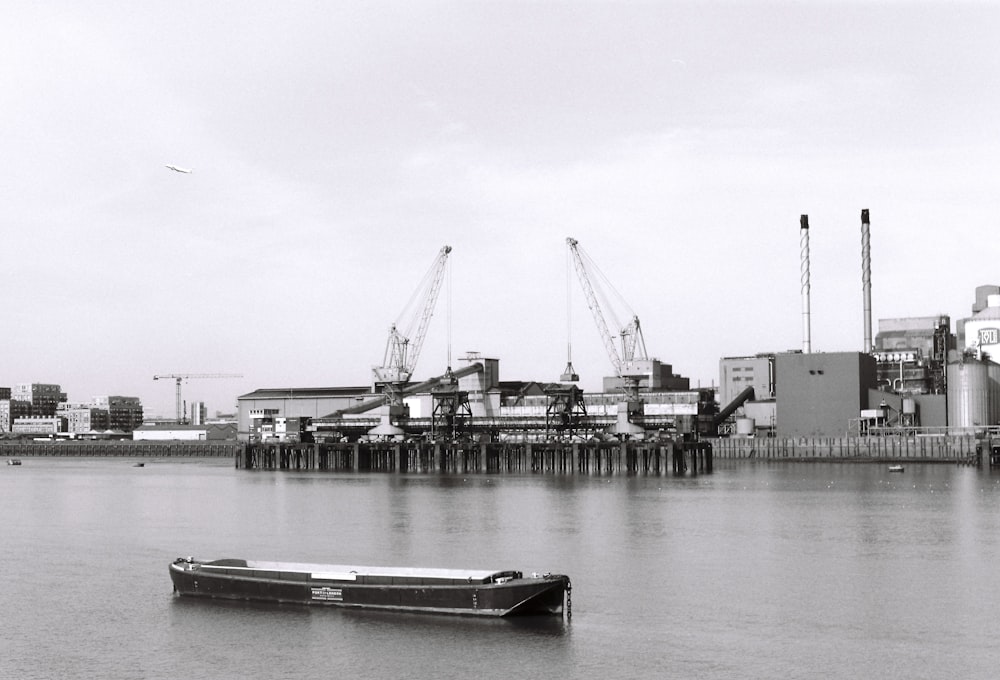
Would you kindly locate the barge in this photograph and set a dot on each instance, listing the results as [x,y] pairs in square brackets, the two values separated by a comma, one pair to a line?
[473,592]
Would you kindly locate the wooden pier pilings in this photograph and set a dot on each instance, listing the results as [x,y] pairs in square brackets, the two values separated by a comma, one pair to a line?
[469,457]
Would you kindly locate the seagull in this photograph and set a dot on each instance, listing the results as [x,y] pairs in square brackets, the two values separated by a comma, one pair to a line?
[186,171]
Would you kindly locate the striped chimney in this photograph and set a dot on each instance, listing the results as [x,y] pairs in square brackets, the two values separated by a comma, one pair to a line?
[804,255]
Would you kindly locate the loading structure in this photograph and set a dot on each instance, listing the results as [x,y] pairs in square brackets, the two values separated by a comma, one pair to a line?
[631,363]
[402,349]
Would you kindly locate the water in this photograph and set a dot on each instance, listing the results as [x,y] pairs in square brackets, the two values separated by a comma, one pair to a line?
[790,570]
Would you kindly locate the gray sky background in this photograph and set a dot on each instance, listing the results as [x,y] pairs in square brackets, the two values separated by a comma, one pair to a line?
[337,146]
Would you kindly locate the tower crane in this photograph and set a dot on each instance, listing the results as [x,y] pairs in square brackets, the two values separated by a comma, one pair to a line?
[403,346]
[181,377]
[631,362]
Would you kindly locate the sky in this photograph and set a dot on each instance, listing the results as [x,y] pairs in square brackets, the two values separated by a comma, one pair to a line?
[337,147]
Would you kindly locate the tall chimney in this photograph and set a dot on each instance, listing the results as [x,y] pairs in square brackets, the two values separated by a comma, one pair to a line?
[804,253]
[866,277]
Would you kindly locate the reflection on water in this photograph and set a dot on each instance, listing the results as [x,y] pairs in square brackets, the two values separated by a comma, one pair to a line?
[859,571]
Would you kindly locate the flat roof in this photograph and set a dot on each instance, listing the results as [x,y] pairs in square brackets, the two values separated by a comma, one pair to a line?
[305,392]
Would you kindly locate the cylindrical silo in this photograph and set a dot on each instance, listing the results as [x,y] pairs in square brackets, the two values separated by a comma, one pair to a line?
[968,394]
[744,427]
[993,371]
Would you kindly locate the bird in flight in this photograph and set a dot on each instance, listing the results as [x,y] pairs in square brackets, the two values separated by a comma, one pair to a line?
[186,171]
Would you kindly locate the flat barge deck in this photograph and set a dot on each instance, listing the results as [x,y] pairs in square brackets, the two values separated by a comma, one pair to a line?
[470,592]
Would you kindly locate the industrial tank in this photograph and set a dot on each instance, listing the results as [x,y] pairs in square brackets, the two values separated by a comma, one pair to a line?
[744,427]
[968,394]
[993,371]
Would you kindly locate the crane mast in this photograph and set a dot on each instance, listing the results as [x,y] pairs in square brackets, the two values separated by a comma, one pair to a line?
[402,349]
[181,377]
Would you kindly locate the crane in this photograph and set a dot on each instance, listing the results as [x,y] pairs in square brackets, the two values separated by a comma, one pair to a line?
[181,377]
[403,346]
[631,363]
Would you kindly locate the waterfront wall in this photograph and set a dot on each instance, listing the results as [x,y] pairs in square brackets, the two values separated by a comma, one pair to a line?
[639,457]
[943,448]
[110,449]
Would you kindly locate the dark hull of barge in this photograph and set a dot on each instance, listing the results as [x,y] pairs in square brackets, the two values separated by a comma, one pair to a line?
[498,594]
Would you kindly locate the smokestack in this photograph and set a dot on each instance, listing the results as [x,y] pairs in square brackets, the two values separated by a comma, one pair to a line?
[866,277]
[804,253]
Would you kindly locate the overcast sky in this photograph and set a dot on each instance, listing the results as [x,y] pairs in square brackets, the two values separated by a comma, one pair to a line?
[337,147]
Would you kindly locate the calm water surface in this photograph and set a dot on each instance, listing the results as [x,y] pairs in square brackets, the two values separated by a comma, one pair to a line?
[758,570]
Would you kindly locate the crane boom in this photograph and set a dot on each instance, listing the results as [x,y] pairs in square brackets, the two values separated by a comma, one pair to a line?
[594,305]
[181,377]
[632,341]
[401,350]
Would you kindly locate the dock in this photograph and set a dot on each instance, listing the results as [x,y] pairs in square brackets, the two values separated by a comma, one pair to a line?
[470,457]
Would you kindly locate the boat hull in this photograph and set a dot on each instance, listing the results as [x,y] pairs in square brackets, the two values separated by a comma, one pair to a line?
[536,595]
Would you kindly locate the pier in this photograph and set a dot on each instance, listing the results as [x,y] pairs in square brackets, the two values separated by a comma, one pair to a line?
[470,457]
[549,457]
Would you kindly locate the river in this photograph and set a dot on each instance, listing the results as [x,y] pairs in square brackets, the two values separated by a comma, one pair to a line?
[757,570]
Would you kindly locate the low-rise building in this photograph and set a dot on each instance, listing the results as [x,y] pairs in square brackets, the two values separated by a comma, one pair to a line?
[40,425]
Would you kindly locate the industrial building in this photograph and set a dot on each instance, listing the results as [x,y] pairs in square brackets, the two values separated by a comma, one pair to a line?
[920,382]
[470,402]
[913,374]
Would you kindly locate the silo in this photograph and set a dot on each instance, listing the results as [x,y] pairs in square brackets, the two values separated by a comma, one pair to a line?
[745,427]
[909,412]
[968,394]
[993,371]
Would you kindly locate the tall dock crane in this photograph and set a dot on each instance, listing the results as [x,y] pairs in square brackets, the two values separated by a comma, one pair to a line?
[181,377]
[631,363]
[403,346]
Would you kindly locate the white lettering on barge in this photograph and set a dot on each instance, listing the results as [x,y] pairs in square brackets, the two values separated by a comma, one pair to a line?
[328,594]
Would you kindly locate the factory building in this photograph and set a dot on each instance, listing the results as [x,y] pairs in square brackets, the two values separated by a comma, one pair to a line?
[259,409]
[652,376]
[756,413]
[912,354]
[980,304]
[819,394]
[981,331]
